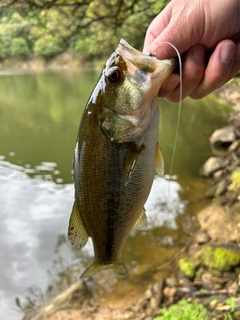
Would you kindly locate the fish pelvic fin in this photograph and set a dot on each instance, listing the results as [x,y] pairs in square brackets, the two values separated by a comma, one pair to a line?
[118,267]
[77,233]
[159,166]
[141,223]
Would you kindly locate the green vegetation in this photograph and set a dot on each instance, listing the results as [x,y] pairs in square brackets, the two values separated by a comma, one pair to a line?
[235,185]
[184,311]
[19,47]
[89,28]
[188,267]
[231,303]
[213,257]
[219,258]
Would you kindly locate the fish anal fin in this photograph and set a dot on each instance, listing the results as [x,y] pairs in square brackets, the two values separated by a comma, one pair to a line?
[159,166]
[119,267]
[77,234]
[141,223]
[131,160]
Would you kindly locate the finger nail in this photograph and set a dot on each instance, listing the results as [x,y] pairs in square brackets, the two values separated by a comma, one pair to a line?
[170,85]
[228,52]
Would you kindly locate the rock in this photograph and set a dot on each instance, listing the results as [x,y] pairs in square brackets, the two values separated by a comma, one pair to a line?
[153,304]
[218,174]
[235,179]
[221,187]
[223,137]
[201,237]
[157,290]
[229,275]
[233,147]
[188,267]
[169,292]
[171,282]
[206,278]
[214,300]
[220,224]
[219,258]
[233,287]
[212,165]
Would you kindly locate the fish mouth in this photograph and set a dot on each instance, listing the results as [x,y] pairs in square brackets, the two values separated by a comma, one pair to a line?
[158,70]
[140,78]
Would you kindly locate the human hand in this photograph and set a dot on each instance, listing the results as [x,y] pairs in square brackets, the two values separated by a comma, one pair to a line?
[199,29]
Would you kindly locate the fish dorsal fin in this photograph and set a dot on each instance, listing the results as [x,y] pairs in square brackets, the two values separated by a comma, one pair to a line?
[131,160]
[141,223]
[159,166]
[76,232]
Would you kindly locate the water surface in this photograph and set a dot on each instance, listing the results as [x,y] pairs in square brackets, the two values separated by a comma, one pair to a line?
[39,118]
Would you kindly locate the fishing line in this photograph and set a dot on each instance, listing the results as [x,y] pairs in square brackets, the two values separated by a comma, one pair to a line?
[176,135]
[178,122]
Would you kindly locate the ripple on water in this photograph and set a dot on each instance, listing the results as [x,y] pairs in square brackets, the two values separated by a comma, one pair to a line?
[35,211]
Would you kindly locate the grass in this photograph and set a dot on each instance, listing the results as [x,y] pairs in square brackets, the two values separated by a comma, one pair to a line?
[184,311]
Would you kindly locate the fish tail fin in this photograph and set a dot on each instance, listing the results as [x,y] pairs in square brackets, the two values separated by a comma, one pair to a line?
[118,267]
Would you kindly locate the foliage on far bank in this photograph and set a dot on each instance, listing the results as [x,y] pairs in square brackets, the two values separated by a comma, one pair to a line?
[90,28]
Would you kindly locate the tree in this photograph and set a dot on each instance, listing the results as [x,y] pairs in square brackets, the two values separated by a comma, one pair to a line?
[92,27]
[47,46]
[3,51]
[19,47]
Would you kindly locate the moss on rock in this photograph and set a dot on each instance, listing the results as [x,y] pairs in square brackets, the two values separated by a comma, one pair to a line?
[235,185]
[188,267]
[219,258]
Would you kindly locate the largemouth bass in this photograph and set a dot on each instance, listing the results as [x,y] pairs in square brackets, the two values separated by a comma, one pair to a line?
[116,155]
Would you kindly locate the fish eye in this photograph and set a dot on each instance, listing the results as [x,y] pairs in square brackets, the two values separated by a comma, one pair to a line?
[115,76]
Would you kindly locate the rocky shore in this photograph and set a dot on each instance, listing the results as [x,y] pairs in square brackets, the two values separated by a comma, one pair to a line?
[207,268]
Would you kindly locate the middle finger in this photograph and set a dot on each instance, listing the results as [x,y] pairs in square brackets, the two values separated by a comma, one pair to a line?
[193,66]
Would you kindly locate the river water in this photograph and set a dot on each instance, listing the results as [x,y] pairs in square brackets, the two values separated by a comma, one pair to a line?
[39,118]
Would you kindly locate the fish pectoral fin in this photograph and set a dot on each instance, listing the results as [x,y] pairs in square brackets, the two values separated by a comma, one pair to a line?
[77,233]
[159,165]
[119,267]
[132,157]
[141,223]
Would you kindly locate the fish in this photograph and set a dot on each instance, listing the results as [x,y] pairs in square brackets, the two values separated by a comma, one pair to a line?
[116,155]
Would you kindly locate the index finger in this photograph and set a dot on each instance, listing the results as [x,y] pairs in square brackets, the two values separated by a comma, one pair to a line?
[177,25]
[155,29]
[159,46]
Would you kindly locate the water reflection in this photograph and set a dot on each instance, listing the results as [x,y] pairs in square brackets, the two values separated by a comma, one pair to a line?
[31,219]
[33,214]
[39,118]
[164,204]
